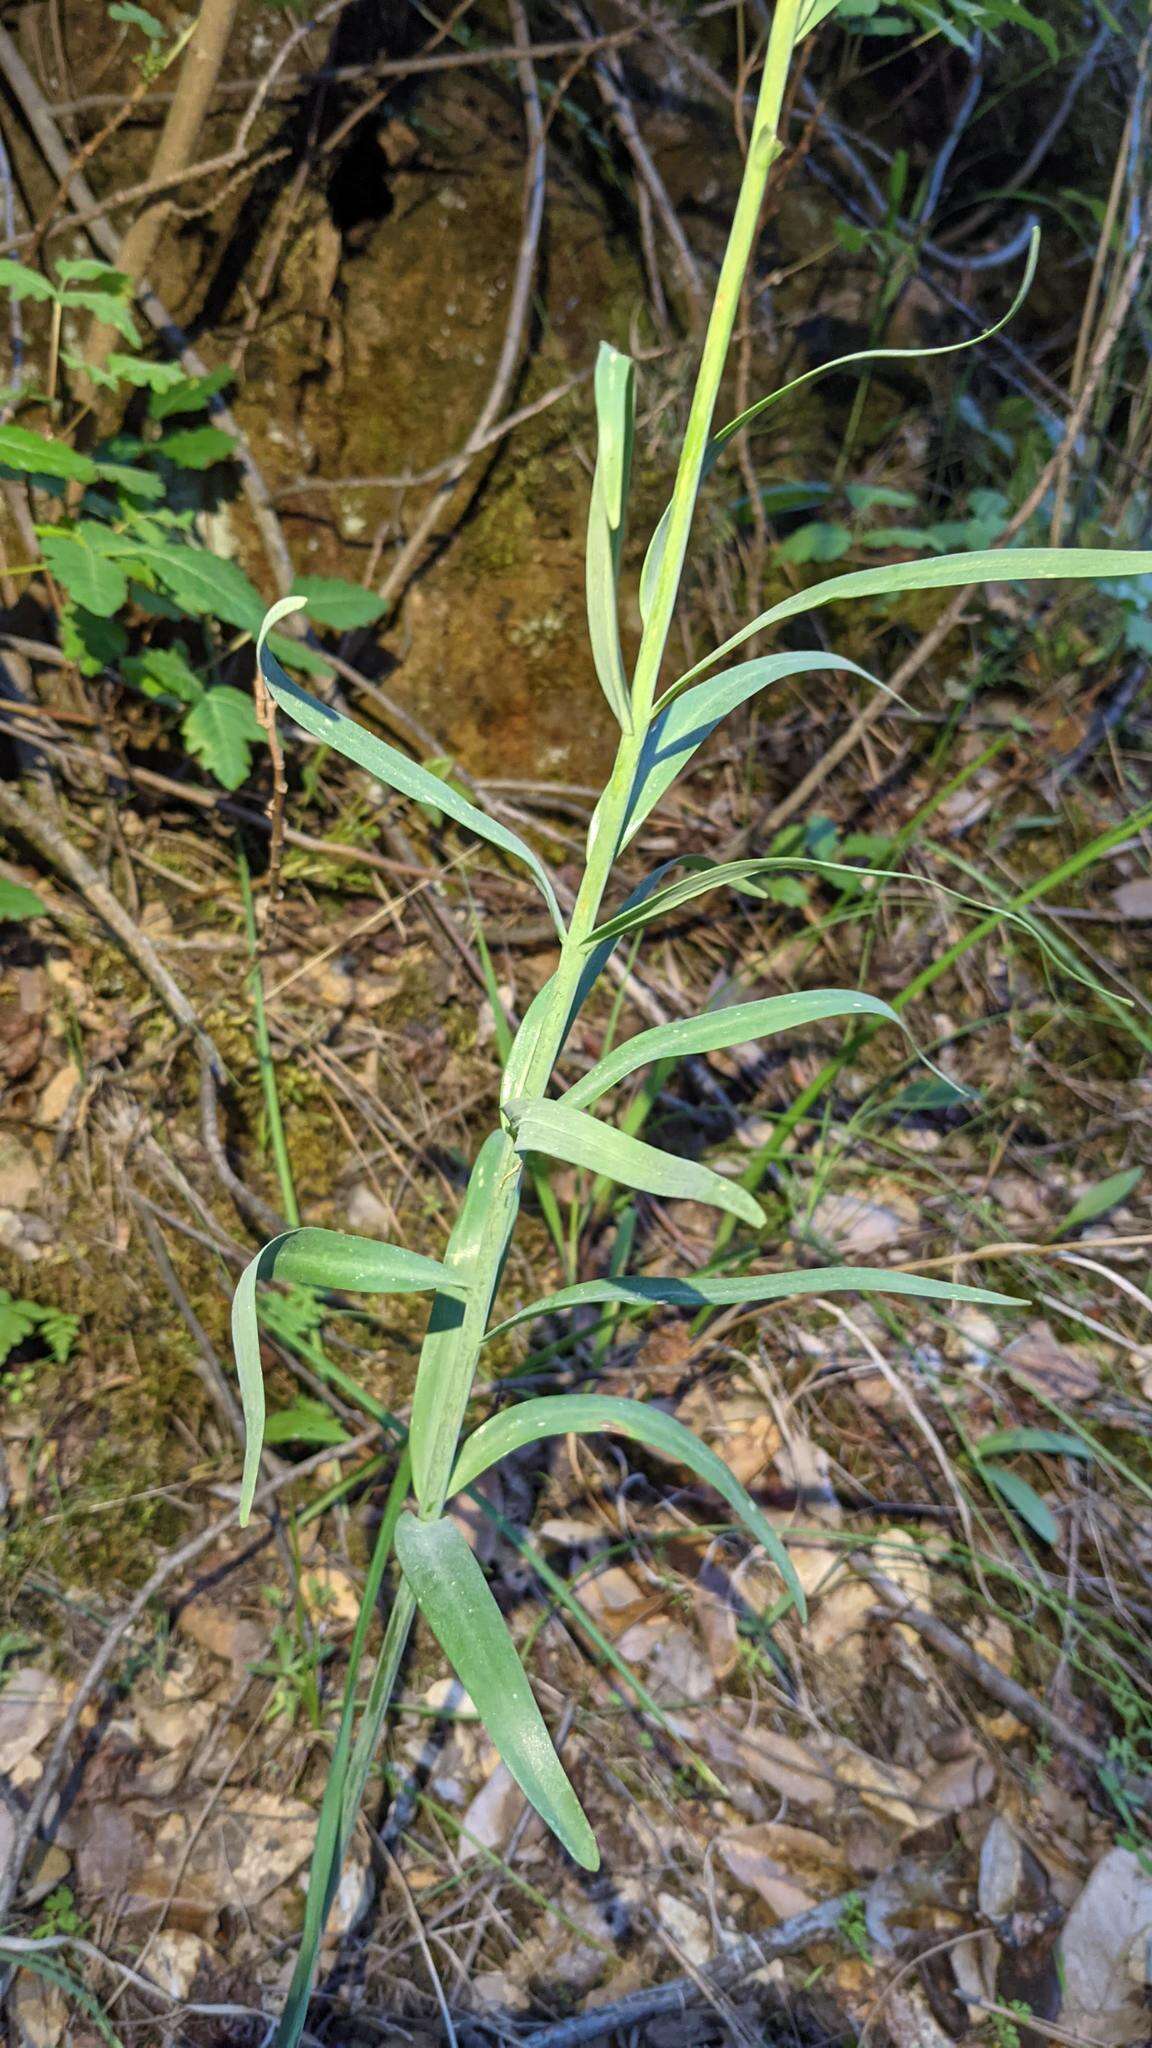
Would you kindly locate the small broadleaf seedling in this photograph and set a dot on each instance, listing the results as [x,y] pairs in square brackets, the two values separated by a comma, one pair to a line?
[659,733]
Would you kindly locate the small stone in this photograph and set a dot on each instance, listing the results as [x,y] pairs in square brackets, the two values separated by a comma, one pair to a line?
[56,1097]
[175,1960]
[29,1706]
[39,2012]
[687,1928]
[367,1213]
[20,1178]
[1001,1870]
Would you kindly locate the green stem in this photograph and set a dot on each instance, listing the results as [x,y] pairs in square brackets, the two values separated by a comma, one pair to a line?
[264,1059]
[541,1038]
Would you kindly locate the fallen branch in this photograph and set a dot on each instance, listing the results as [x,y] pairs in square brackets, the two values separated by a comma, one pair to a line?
[989,1677]
[751,1953]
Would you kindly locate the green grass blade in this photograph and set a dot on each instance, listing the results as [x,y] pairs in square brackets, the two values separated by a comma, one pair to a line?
[386,763]
[457,1603]
[317,1258]
[643,1291]
[736,1025]
[615,402]
[942,572]
[556,1415]
[563,1133]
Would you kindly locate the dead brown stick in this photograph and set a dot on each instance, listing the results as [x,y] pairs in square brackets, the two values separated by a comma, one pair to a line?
[751,1953]
[471,59]
[176,1561]
[987,1676]
[199,69]
[53,846]
[609,77]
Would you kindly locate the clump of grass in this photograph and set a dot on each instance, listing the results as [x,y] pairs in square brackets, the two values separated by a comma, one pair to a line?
[660,731]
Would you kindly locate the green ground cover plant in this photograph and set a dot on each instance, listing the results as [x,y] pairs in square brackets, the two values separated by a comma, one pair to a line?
[660,730]
[119,521]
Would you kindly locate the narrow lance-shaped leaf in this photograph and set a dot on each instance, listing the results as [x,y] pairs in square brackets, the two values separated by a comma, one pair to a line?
[705,875]
[1102,1196]
[715,1029]
[942,572]
[720,439]
[456,1326]
[564,1133]
[644,1291]
[882,355]
[1057,1443]
[615,383]
[530,1421]
[387,763]
[457,1603]
[315,1258]
[684,721]
[1017,1494]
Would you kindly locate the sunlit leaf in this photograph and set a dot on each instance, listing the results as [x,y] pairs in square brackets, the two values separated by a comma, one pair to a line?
[456,1324]
[96,583]
[387,763]
[528,1422]
[22,282]
[35,455]
[457,1603]
[711,1032]
[18,903]
[196,447]
[644,1291]
[315,1258]
[942,572]
[1104,1195]
[685,719]
[615,383]
[306,1422]
[564,1133]
[340,604]
[221,730]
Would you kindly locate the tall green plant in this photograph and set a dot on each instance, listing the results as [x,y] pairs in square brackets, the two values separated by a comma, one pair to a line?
[659,733]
